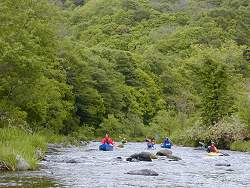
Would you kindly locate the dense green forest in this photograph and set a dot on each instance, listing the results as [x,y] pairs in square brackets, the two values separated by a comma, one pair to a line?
[134,67]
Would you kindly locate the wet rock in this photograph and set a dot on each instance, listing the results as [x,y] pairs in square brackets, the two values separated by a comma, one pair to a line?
[132,159]
[173,158]
[143,156]
[3,167]
[72,161]
[42,166]
[222,164]
[39,154]
[120,146]
[118,158]
[21,163]
[229,170]
[143,172]
[164,152]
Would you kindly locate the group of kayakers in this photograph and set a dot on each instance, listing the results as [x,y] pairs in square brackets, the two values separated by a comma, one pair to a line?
[107,142]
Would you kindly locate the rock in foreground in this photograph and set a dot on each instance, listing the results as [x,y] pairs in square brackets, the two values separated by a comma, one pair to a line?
[143,172]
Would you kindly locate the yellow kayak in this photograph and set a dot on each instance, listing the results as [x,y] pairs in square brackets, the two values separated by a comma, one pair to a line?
[214,154]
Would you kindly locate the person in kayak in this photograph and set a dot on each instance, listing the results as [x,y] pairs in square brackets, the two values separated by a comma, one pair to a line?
[150,143]
[167,141]
[212,148]
[107,139]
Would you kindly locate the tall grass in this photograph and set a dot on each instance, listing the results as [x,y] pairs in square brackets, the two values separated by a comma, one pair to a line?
[15,142]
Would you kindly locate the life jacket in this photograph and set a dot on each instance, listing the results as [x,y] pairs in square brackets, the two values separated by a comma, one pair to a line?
[166,142]
[212,148]
[107,140]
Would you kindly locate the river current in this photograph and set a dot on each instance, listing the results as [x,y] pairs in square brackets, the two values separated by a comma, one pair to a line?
[86,166]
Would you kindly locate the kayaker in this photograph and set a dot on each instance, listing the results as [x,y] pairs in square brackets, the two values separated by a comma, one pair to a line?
[167,141]
[107,139]
[212,148]
[147,139]
[150,143]
[123,140]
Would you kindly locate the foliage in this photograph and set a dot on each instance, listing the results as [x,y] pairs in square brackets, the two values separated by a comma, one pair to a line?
[133,67]
[240,146]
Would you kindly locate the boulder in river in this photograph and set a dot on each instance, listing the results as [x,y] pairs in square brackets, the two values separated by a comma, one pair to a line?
[164,152]
[173,158]
[120,146]
[21,164]
[72,161]
[118,159]
[222,164]
[143,156]
[143,172]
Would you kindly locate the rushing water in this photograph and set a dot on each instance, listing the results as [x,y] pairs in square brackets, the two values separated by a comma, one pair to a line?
[88,167]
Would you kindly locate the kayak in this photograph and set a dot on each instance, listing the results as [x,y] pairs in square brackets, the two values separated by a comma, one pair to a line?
[106,147]
[214,154]
[166,146]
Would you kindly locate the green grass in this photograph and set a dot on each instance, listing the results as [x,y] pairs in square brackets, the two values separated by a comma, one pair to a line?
[15,142]
[240,146]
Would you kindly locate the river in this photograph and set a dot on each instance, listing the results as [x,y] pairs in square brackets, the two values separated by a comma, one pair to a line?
[87,167]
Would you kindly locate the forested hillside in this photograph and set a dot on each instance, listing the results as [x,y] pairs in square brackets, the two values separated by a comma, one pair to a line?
[133,67]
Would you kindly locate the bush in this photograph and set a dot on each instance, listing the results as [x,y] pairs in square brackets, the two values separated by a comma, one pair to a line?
[223,133]
[240,146]
[84,133]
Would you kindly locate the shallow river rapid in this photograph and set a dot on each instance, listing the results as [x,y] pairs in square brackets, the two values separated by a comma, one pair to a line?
[87,167]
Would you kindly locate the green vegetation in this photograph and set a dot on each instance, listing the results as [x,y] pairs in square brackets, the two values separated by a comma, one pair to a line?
[134,67]
[15,142]
[240,146]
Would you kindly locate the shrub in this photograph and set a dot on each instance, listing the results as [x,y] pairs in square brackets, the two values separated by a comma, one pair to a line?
[240,146]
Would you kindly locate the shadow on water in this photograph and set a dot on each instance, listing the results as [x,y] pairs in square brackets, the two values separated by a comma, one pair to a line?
[26,179]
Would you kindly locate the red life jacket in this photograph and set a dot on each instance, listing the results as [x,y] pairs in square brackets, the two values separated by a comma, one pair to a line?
[213,149]
[107,140]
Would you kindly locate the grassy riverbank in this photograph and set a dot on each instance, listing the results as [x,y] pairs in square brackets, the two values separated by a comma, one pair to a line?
[14,142]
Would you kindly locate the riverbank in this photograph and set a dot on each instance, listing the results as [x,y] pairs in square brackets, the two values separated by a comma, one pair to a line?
[22,150]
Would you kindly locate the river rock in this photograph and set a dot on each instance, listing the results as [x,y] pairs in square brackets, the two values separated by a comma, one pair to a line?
[120,146]
[3,166]
[72,161]
[132,159]
[164,152]
[21,164]
[39,154]
[143,156]
[173,158]
[143,172]
[222,164]
[118,159]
